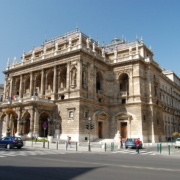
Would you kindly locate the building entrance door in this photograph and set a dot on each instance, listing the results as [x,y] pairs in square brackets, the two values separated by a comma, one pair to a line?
[100,128]
[123,130]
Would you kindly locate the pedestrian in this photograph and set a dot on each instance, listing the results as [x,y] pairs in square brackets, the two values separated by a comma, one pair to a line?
[137,143]
[121,142]
[36,137]
[68,143]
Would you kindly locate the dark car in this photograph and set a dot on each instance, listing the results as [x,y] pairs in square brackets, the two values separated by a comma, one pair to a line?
[11,142]
[130,143]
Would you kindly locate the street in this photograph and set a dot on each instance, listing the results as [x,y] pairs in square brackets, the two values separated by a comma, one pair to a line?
[46,164]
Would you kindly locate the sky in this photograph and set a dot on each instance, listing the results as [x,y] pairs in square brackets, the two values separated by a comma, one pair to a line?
[25,24]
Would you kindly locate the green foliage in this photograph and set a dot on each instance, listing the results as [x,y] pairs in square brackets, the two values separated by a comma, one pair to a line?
[176,134]
[38,140]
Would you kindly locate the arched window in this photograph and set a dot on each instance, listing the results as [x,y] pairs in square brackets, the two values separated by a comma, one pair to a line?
[98,82]
[50,77]
[17,86]
[124,83]
[27,85]
[73,77]
[62,83]
[84,79]
[37,88]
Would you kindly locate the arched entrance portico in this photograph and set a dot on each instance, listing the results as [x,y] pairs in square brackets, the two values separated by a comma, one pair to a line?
[43,119]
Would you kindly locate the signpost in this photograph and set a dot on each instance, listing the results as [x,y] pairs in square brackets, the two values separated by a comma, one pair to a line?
[44,127]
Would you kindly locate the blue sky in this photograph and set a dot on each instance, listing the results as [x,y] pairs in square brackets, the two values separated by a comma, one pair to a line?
[27,23]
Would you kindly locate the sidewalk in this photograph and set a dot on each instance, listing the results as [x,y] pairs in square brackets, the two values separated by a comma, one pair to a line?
[166,149]
[83,147]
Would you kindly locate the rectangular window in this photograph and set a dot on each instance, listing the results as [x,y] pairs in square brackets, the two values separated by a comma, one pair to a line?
[86,114]
[123,101]
[71,114]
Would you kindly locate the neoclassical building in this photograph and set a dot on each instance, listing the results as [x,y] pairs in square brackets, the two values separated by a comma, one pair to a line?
[69,81]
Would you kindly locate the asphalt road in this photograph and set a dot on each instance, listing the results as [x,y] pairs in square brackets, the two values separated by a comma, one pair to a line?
[86,166]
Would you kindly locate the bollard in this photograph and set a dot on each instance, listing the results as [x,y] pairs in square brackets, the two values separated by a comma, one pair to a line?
[66,145]
[112,146]
[169,149]
[57,145]
[105,147]
[43,144]
[48,144]
[157,147]
[76,146]
[160,148]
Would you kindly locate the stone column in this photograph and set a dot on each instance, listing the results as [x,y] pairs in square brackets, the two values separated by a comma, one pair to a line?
[54,80]
[4,96]
[36,122]
[10,88]
[68,76]
[20,87]
[59,79]
[79,72]
[32,120]
[18,124]
[42,82]
[31,84]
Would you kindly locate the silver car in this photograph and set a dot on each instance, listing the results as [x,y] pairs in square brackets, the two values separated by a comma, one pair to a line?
[177,143]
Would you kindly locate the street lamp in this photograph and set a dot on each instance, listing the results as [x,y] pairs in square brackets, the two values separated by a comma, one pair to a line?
[89,124]
[50,121]
[44,127]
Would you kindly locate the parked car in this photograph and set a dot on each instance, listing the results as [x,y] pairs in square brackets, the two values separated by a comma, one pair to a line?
[11,142]
[177,143]
[130,143]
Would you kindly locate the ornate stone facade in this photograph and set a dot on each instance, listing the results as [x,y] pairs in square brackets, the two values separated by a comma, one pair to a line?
[71,78]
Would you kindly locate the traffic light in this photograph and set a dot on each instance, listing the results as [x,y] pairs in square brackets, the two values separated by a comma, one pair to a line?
[89,126]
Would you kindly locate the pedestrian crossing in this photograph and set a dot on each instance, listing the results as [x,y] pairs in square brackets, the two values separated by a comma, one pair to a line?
[34,152]
[130,151]
[11,153]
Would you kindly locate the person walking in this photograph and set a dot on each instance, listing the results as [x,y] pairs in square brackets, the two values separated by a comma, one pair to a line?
[137,143]
[121,142]
[68,143]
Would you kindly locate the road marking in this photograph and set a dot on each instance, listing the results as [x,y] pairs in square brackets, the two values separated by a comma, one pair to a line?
[28,153]
[116,165]
[134,152]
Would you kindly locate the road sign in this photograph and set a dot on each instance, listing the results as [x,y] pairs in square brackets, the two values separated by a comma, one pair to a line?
[44,125]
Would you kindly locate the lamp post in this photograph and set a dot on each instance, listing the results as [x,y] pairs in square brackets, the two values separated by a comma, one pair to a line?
[50,121]
[89,124]
[44,127]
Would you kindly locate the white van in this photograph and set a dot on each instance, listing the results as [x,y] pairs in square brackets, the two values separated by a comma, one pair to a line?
[177,143]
